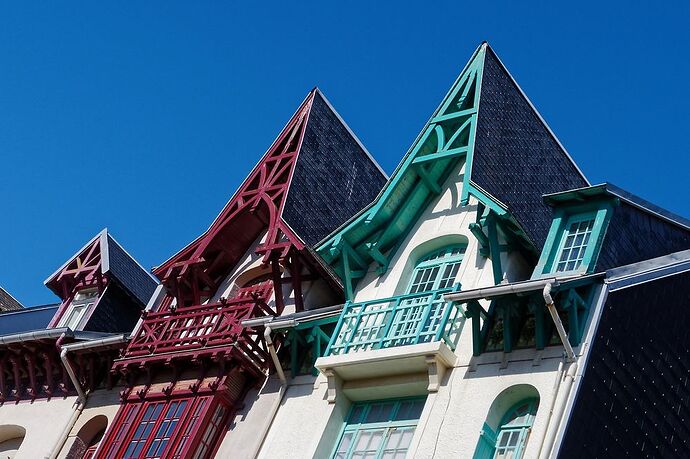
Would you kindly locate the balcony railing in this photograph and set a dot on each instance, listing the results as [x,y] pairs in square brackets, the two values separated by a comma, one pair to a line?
[397,321]
[195,328]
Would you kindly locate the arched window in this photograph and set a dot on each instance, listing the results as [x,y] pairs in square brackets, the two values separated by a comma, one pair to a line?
[508,424]
[89,437]
[514,430]
[11,438]
[437,270]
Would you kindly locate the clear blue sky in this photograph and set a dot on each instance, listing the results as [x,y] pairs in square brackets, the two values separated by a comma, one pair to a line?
[145,116]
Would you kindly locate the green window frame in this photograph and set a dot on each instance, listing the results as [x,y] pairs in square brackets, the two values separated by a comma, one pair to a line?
[513,433]
[510,438]
[575,240]
[573,243]
[437,270]
[380,429]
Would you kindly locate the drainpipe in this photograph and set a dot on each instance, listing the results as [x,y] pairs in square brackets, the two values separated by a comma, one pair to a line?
[79,404]
[281,392]
[549,437]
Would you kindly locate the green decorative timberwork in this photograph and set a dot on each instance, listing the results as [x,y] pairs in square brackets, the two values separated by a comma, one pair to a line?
[513,321]
[590,204]
[446,141]
[306,342]
[397,321]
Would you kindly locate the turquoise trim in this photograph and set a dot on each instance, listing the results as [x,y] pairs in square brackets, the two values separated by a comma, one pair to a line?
[600,210]
[355,427]
[374,234]
[396,321]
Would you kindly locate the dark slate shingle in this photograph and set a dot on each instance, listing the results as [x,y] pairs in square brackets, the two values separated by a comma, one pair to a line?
[129,274]
[516,159]
[633,400]
[634,235]
[334,177]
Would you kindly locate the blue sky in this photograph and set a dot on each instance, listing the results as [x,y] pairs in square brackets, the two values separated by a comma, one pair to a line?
[145,116]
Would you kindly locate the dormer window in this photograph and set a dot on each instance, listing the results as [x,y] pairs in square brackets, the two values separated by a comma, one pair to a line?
[77,309]
[574,242]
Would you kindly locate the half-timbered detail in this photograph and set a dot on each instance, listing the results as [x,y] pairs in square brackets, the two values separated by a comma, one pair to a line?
[474,283]
[56,360]
[190,362]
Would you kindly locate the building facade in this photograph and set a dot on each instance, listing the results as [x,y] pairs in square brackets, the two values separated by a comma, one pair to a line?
[485,301]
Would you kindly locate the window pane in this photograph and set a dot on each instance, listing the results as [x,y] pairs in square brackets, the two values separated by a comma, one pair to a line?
[574,245]
[371,432]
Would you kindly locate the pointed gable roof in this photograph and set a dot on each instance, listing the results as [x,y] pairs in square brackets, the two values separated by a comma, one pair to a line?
[517,158]
[294,193]
[102,255]
[511,159]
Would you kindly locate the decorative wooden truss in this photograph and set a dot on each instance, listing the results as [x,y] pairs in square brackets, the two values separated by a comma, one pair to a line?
[195,273]
[32,369]
[82,271]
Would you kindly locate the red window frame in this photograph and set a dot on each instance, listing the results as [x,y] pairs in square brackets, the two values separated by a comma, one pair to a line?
[183,425]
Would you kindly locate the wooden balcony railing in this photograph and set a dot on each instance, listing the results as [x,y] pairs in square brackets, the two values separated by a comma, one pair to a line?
[195,328]
[397,321]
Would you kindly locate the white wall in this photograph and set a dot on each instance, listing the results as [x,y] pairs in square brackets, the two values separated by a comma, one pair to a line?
[44,421]
[305,425]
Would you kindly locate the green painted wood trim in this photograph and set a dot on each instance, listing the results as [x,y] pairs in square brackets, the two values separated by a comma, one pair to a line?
[601,209]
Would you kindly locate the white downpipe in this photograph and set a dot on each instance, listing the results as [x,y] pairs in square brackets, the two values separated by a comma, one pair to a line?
[281,392]
[78,406]
[556,388]
[550,432]
[551,437]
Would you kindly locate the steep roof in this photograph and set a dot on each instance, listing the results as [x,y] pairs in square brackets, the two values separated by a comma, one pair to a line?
[517,158]
[8,302]
[511,159]
[315,176]
[334,176]
[113,260]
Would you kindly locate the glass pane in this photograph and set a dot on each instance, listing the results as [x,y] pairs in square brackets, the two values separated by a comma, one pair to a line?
[380,412]
[574,245]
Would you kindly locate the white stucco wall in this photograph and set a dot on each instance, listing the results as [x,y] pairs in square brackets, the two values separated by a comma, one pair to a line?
[305,425]
[44,421]
[100,402]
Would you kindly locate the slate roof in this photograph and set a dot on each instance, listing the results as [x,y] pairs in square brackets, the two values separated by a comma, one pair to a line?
[638,230]
[121,268]
[26,319]
[633,400]
[8,302]
[517,158]
[334,176]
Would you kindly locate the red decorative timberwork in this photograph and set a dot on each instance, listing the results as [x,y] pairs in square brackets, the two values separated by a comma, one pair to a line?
[202,330]
[32,369]
[195,273]
[81,272]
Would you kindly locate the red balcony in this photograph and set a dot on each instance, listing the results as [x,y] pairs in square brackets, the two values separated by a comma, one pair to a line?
[204,330]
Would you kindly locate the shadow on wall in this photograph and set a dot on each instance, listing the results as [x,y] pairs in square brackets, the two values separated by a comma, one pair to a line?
[88,438]
[11,438]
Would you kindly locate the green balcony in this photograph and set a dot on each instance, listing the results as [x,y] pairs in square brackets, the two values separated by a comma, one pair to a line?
[400,345]
[397,321]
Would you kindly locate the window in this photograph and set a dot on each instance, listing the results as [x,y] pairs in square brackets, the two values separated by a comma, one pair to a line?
[170,429]
[437,270]
[514,430]
[77,309]
[379,429]
[576,237]
[208,440]
[506,432]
